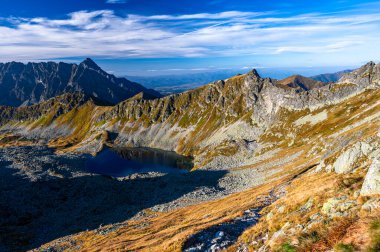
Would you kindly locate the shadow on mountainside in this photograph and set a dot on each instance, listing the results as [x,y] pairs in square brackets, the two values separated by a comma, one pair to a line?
[34,213]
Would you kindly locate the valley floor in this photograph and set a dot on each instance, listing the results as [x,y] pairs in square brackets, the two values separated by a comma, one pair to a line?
[156,212]
[39,188]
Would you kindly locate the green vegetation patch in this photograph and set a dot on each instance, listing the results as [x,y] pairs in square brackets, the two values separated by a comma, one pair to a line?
[287,247]
[375,236]
[341,247]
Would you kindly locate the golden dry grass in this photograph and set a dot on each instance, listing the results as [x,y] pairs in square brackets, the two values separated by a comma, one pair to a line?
[168,231]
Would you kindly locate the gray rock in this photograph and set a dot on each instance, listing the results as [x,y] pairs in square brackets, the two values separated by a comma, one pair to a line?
[371,205]
[338,207]
[308,205]
[371,183]
[346,162]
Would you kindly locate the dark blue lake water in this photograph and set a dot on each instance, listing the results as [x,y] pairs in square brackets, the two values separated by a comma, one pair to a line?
[120,162]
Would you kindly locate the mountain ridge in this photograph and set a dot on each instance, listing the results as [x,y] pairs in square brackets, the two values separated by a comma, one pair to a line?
[247,100]
[330,77]
[302,165]
[300,82]
[25,84]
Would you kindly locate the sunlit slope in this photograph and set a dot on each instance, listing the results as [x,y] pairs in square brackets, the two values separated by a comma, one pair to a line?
[223,124]
[303,148]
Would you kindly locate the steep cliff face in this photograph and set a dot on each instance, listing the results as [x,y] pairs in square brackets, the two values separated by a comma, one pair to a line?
[25,84]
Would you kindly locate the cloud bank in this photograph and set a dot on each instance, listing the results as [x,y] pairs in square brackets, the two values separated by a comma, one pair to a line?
[105,34]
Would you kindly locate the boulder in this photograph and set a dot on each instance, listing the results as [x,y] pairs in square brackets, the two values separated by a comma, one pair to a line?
[308,205]
[338,207]
[371,205]
[345,163]
[371,185]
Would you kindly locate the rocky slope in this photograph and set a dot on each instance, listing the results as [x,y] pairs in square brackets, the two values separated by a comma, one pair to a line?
[281,170]
[25,84]
[211,123]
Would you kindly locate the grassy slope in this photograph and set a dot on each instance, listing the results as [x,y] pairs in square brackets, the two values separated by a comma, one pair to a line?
[204,110]
[167,231]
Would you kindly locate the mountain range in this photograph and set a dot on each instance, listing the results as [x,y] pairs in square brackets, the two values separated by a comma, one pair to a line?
[31,83]
[279,165]
[300,83]
[330,77]
[169,84]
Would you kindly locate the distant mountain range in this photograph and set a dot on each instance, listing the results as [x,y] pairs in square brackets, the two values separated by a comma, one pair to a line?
[31,83]
[300,83]
[330,77]
[169,84]
[26,84]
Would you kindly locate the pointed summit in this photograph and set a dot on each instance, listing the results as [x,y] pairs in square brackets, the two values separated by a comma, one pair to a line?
[367,68]
[365,74]
[43,80]
[90,64]
[254,72]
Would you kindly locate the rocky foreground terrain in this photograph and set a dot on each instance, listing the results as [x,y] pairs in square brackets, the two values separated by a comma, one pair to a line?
[275,169]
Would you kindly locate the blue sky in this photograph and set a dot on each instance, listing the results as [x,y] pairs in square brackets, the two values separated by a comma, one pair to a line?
[141,37]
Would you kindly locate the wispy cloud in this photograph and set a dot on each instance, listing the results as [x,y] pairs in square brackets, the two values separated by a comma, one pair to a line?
[221,15]
[102,33]
[116,1]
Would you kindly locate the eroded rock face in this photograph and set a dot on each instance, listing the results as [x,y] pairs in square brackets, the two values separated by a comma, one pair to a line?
[371,185]
[346,162]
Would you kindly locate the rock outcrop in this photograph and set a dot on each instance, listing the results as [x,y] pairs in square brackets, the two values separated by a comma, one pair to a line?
[346,162]
[371,183]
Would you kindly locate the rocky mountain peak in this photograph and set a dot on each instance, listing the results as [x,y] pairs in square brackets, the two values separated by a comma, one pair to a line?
[89,63]
[254,74]
[369,72]
[367,67]
[26,84]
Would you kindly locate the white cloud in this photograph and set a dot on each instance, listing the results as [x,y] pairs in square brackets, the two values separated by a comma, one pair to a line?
[116,1]
[221,15]
[231,33]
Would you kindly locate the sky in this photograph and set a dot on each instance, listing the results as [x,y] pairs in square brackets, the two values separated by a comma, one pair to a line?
[145,37]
